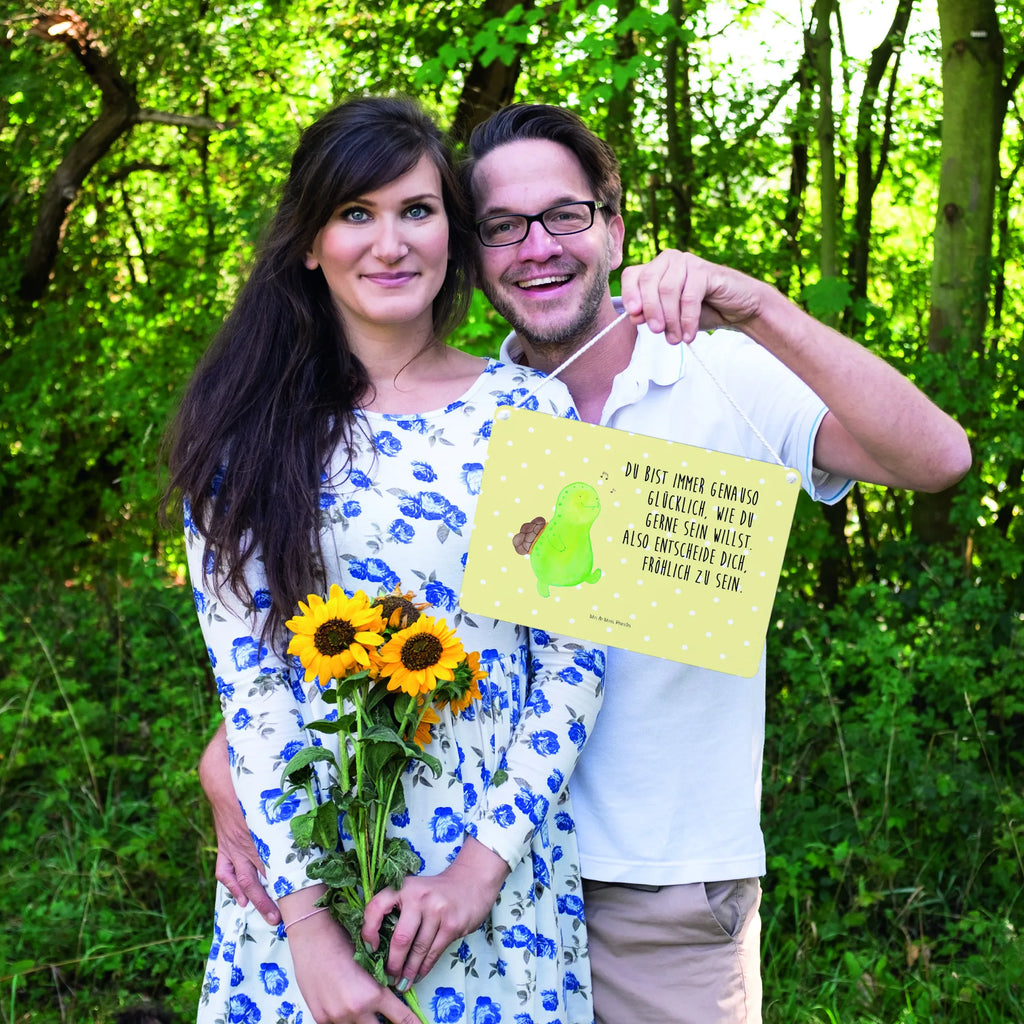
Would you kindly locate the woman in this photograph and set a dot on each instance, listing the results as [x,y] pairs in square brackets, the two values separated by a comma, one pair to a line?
[330,436]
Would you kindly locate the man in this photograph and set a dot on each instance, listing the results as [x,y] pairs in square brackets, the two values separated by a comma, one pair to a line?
[667,790]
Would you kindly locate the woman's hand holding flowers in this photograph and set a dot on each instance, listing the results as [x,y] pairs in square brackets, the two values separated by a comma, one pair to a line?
[435,910]
[344,993]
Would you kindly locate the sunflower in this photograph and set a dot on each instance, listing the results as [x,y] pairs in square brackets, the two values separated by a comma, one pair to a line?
[418,656]
[424,734]
[399,609]
[332,636]
[472,691]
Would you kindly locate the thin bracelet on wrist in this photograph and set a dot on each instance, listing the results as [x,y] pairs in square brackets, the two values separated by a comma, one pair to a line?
[305,917]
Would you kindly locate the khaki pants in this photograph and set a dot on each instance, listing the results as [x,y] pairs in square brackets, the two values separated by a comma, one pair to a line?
[675,954]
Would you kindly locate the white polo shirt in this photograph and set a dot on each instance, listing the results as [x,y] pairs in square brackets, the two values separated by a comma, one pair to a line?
[668,788]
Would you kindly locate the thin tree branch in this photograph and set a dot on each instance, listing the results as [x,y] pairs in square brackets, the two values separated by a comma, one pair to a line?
[887,128]
[129,215]
[127,170]
[869,174]
[119,113]
[206,124]
[67,27]
[1013,80]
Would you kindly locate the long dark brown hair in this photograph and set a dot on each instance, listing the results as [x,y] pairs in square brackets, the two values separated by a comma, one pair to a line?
[275,394]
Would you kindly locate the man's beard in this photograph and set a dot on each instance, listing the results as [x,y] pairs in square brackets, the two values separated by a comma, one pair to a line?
[566,337]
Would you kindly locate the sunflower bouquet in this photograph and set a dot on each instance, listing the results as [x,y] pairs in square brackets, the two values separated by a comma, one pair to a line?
[390,669]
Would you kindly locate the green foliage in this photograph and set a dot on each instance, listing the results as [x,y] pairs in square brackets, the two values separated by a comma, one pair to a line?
[103,834]
[893,808]
[892,775]
[828,298]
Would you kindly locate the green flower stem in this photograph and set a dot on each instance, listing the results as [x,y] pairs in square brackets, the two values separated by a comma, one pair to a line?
[343,763]
[382,821]
[414,1004]
[366,819]
[359,834]
[381,824]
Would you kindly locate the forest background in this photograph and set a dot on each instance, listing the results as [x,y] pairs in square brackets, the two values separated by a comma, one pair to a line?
[864,157]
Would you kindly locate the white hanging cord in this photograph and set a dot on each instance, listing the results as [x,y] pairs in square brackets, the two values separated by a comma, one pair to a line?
[735,405]
[558,369]
[692,351]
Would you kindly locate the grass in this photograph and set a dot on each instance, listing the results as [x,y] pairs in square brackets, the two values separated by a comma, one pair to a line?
[106,885]
[105,909]
[893,813]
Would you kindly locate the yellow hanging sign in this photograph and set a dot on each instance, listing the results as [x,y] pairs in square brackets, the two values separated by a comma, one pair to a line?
[631,541]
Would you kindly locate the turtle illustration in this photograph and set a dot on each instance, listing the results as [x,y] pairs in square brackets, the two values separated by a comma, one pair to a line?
[560,551]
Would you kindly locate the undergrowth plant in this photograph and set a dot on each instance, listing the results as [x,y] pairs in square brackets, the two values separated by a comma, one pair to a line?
[893,799]
[106,882]
[893,802]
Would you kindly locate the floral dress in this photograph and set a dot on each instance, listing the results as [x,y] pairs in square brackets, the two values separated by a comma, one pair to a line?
[400,515]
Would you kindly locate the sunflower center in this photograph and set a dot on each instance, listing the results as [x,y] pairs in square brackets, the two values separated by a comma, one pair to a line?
[421,651]
[334,636]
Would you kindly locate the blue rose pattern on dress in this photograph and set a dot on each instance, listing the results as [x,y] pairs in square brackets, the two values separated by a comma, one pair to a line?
[401,515]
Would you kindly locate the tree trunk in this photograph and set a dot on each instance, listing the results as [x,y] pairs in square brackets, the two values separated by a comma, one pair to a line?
[819,56]
[973,106]
[869,173]
[119,113]
[819,51]
[791,280]
[486,89]
[679,132]
[619,133]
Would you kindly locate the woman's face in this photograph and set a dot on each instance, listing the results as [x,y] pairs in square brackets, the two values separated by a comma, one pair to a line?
[384,255]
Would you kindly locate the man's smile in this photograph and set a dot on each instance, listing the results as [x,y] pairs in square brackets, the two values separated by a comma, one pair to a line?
[540,282]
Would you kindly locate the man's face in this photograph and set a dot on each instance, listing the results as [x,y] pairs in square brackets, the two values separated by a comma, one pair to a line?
[552,289]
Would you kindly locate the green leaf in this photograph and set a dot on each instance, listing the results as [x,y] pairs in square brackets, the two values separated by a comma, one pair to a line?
[329,727]
[397,801]
[302,826]
[372,960]
[351,685]
[484,38]
[325,827]
[351,919]
[380,733]
[397,862]
[338,869]
[828,298]
[385,761]
[622,76]
[299,767]
[372,963]
[429,760]
[452,55]
[379,695]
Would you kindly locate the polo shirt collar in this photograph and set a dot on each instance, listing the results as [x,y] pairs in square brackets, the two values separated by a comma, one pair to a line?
[654,362]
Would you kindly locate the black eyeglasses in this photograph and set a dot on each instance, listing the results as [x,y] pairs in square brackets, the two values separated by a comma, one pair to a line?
[563,219]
